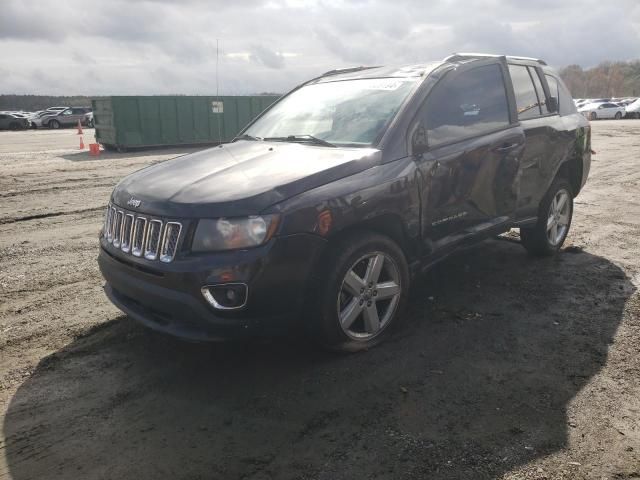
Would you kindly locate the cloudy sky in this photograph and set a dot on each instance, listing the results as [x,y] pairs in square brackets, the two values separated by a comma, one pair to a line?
[164,46]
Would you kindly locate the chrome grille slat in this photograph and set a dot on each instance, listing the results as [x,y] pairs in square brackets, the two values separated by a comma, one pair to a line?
[126,232]
[154,234]
[107,223]
[117,228]
[139,232]
[170,239]
[141,235]
[112,216]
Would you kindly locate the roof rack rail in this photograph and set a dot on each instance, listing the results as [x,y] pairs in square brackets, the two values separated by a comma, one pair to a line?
[338,71]
[462,56]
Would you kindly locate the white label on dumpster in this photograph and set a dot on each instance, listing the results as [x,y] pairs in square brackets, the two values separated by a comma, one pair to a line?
[217,107]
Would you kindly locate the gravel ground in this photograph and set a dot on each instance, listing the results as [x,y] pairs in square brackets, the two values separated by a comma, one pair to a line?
[508,367]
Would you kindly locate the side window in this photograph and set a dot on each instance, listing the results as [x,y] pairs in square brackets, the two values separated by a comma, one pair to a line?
[553,88]
[77,111]
[466,105]
[565,101]
[527,101]
[542,98]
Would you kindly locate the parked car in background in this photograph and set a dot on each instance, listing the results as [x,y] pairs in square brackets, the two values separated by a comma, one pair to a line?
[56,109]
[595,111]
[13,121]
[65,118]
[325,207]
[38,119]
[633,109]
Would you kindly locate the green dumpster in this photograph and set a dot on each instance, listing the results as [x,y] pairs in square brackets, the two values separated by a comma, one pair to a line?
[151,121]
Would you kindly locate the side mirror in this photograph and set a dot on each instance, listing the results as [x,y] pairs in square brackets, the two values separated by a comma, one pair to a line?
[553,104]
[419,142]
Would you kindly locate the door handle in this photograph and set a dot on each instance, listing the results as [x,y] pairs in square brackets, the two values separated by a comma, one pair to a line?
[505,147]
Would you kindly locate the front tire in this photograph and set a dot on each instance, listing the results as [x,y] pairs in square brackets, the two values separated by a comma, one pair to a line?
[593,116]
[54,124]
[361,295]
[554,220]
[618,116]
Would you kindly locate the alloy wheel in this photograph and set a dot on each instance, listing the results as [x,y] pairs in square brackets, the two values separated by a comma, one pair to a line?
[369,295]
[559,217]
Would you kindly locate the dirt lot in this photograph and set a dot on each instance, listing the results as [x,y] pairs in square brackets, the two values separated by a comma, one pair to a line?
[508,367]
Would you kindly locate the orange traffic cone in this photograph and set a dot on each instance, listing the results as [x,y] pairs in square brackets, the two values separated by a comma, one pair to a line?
[79,128]
[81,144]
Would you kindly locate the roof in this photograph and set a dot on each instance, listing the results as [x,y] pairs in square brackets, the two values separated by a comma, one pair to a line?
[409,71]
[395,71]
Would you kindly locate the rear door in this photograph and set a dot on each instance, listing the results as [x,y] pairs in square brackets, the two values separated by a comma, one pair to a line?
[77,114]
[543,131]
[65,117]
[470,165]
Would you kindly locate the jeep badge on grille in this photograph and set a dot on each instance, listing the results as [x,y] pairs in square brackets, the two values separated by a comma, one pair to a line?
[134,202]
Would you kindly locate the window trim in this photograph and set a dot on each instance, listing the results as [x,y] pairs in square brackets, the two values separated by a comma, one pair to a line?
[452,74]
[542,76]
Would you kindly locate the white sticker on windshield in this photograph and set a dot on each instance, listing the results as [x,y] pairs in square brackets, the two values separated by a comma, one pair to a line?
[385,84]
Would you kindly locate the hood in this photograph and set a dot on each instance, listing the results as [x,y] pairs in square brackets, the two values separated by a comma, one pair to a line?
[238,179]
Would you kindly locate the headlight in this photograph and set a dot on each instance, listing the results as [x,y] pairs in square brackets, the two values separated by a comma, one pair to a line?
[232,233]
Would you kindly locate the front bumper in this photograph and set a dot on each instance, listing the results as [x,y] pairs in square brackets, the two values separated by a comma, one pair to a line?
[168,298]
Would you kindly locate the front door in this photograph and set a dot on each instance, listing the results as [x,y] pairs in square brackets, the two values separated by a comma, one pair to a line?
[470,167]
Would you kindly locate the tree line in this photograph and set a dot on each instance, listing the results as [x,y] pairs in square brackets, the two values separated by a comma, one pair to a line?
[608,79]
[33,103]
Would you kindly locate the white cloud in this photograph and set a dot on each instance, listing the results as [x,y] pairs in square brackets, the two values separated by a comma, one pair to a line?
[163,46]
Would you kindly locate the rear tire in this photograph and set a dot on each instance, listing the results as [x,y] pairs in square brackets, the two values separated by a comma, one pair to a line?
[361,293]
[54,124]
[554,220]
[618,116]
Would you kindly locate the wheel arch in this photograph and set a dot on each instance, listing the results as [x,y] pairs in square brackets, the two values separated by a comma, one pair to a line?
[390,225]
[571,170]
[387,224]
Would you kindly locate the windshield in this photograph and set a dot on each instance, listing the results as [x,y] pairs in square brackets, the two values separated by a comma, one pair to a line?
[345,113]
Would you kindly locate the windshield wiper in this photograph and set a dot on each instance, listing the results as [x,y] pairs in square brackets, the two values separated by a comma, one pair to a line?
[246,136]
[302,138]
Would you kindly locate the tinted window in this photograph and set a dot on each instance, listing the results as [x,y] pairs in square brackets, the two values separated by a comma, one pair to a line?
[542,98]
[553,87]
[466,105]
[526,97]
[565,101]
[77,111]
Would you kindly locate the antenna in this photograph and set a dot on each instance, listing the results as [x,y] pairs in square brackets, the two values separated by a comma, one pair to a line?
[218,106]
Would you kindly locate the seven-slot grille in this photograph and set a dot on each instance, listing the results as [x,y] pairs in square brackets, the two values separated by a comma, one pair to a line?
[140,236]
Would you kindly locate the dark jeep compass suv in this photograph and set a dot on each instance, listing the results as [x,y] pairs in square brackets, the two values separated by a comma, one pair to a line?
[321,211]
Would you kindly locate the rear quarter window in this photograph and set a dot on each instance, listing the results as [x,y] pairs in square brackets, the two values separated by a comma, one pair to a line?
[559,90]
